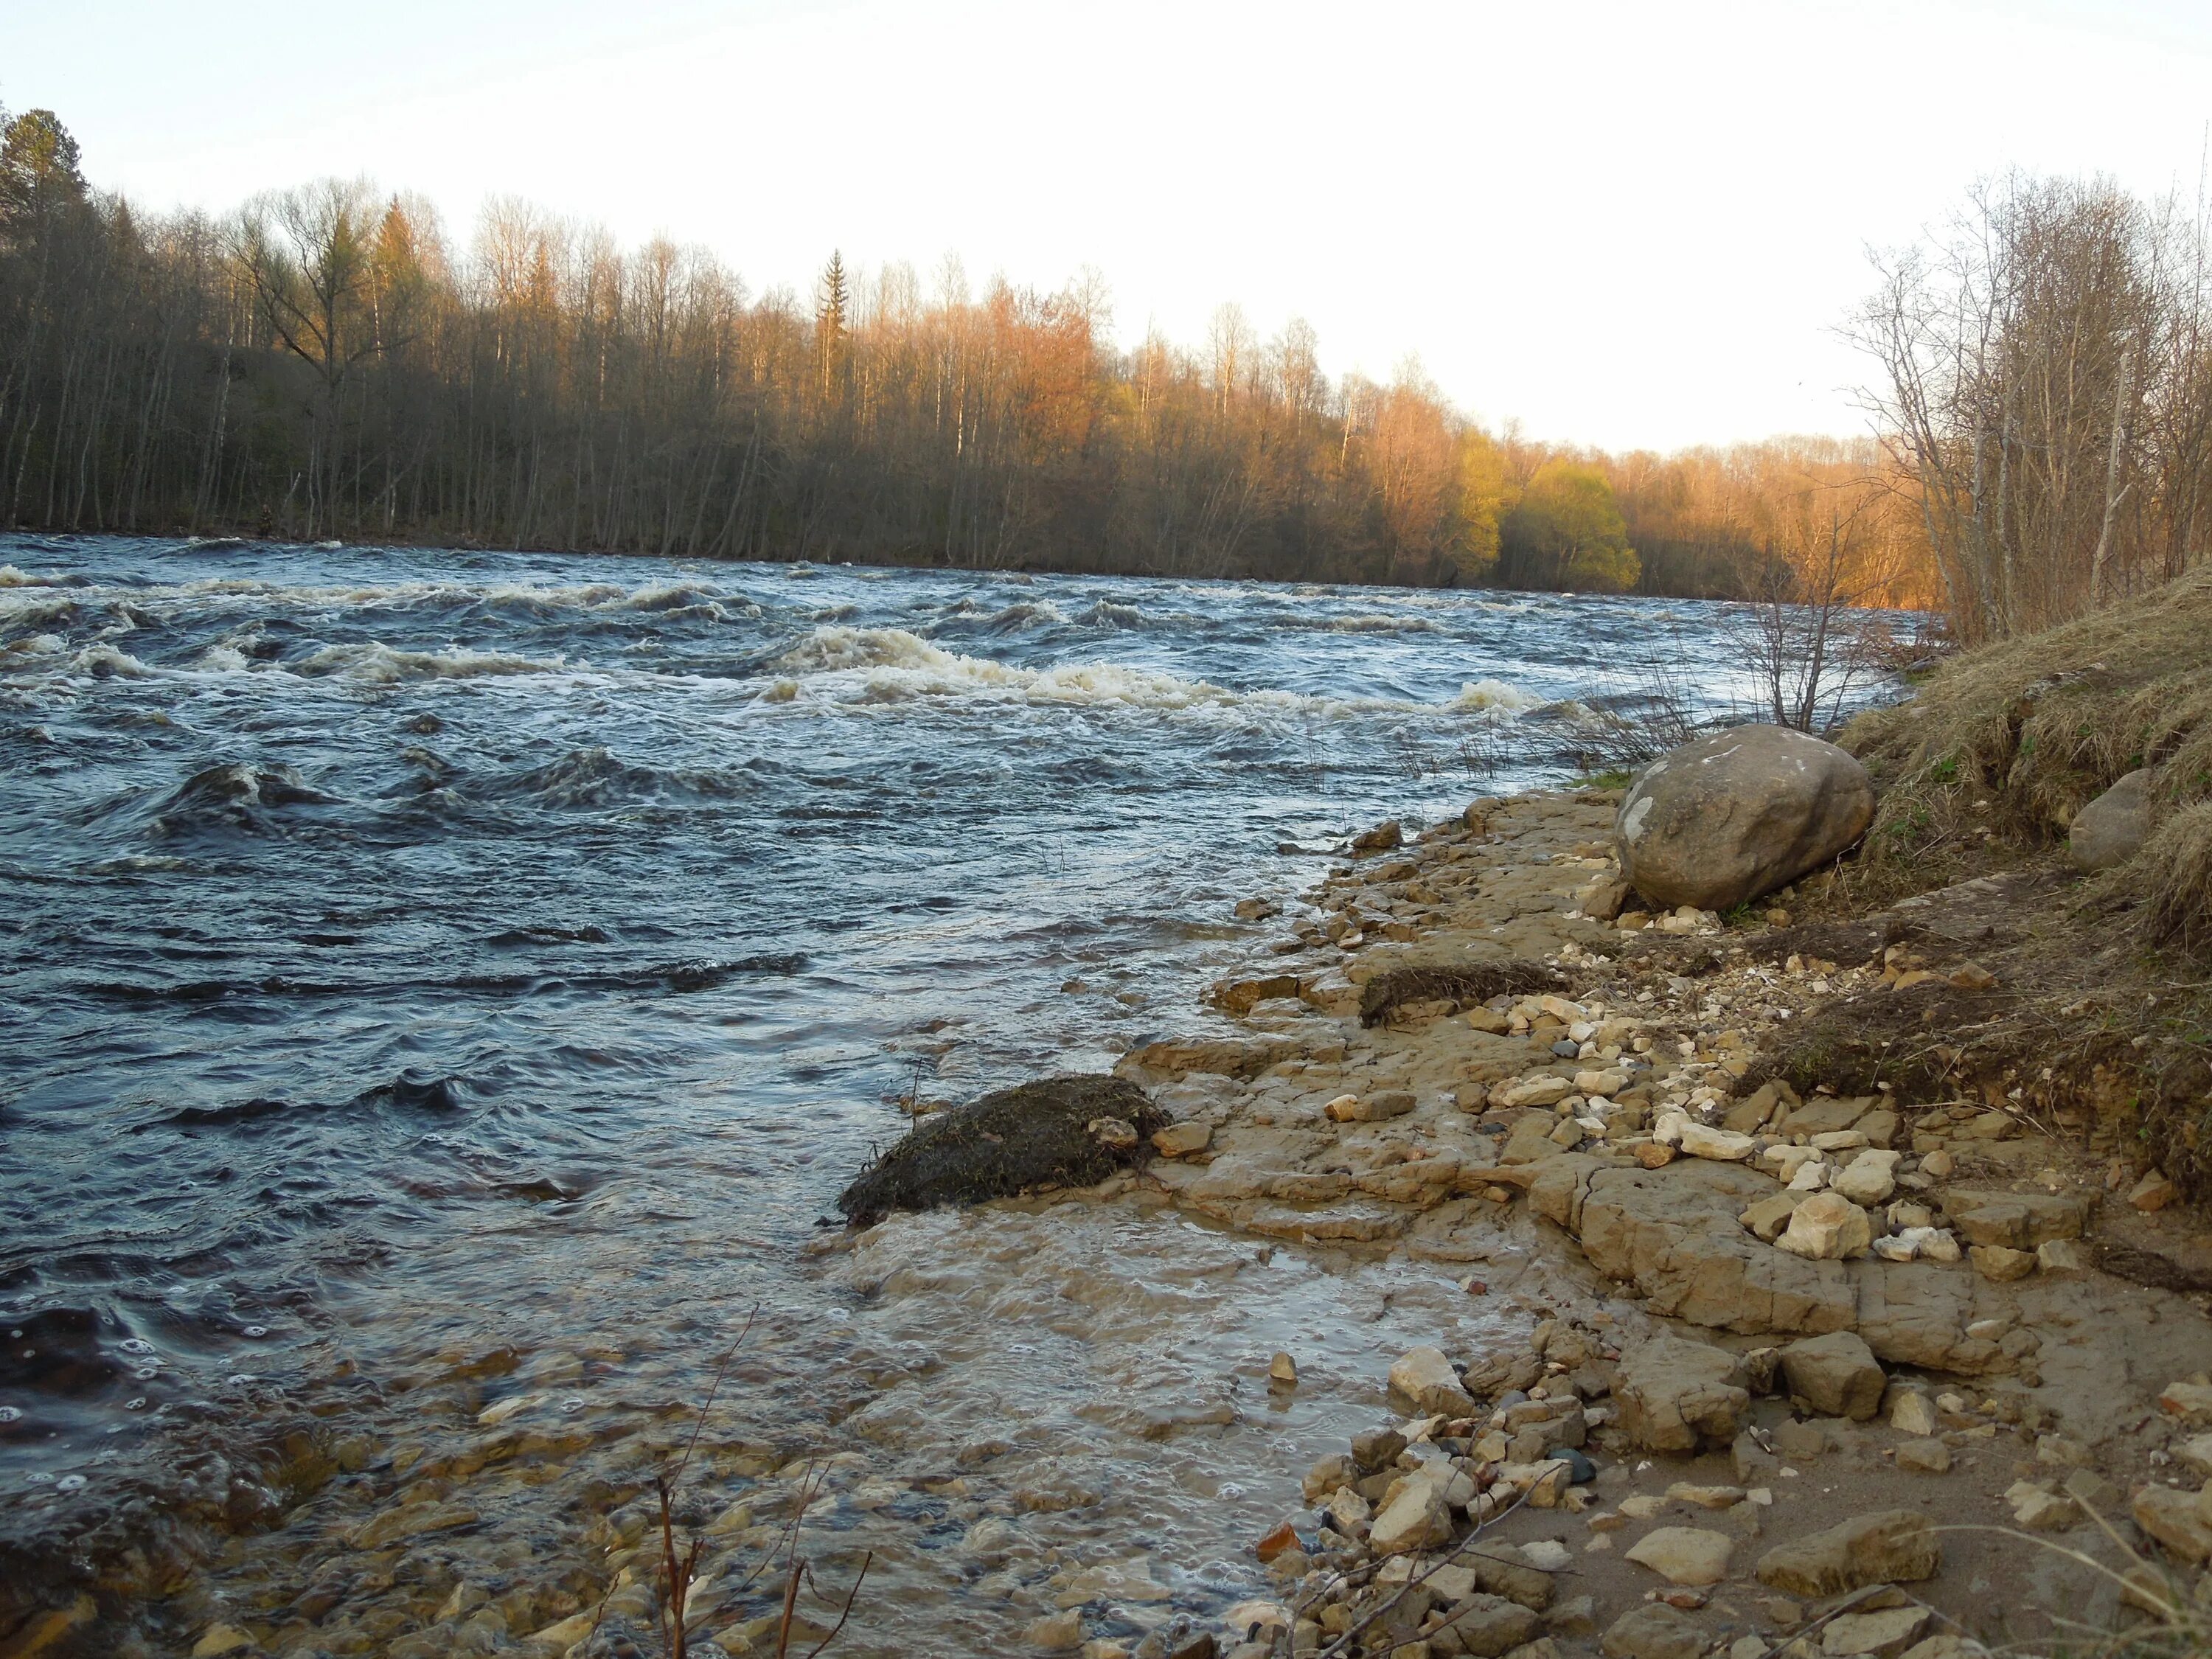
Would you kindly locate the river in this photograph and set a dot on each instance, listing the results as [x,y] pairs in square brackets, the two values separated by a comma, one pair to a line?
[439,978]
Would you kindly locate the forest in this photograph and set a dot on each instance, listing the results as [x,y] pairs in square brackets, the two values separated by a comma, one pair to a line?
[327,364]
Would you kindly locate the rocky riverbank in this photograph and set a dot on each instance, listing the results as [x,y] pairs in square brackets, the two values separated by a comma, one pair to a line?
[1808,1365]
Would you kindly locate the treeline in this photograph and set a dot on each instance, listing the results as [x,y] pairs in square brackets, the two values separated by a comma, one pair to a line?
[324,364]
[2046,371]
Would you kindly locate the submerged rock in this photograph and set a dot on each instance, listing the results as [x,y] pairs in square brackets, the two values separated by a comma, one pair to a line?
[1069,1131]
[1738,814]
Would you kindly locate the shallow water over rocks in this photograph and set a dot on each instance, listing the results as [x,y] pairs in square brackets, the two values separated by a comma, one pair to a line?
[444,991]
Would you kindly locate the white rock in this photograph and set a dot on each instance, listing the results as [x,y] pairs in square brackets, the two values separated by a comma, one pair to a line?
[1869,1178]
[1826,1227]
[1723,1145]
[1685,1555]
[1810,1176]
[1940,1245]
[1786,1161]
[1425,1377]
[1538,1091]
[1897,1249]
[1912,1413]
[1667,1130]
[1839,1141]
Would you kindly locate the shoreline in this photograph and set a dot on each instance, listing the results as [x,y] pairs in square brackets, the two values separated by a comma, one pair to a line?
[2040,1392]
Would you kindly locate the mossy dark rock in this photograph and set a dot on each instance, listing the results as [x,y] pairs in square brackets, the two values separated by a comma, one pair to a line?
[1030,1135]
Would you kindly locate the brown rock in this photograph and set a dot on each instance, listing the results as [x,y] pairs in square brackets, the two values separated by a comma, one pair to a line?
[1891,1546]
[2152,1192]
[2182,1521]
[1675,1395]
[2000,1266]
[1837,1375]
[1654,1631]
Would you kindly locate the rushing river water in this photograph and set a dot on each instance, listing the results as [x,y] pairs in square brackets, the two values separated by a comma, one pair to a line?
[424,965]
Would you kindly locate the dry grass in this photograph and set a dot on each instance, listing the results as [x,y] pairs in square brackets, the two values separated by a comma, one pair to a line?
[2010,742]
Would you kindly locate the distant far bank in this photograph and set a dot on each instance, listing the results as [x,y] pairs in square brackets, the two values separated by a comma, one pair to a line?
[327,364]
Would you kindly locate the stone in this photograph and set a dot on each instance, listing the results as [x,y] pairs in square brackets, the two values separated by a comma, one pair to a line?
[1736,815]
[1675,1395]
[1490,1626]
[1546,1554]
[1378,1108]
[2152,1192]
[2093,1493]
[1826,1227]
[1938,1164]
[1912,1411]
[1182,1140]
[1530,1140]
[1385,837]
[1720,1145]
[1283,1369]
[1056,1632]
[2060,1452]
[2190,1401]
[1654,1631]
[1425,1377]
[1887,1547]
[220,1638]
[1576,1616]
[1925,1457]
[2000,1266]
[2182,1521]
[410,1521]
[1373,1450]
[1769,1216]
[1869,1178]
[1786,1161]
[1031,1135]
[1685,1555]
[2111,829]
[1795,1438]
[1705,1498]
[1349,1511]
[1414,1518]
[1654,1154]
[2063,1255]
[2195,1455]
[1837,1375]
[1881,1635]
[1328,1475]
[2039,1509]
[1499,1569]
[2019,1221]
[1538,1091]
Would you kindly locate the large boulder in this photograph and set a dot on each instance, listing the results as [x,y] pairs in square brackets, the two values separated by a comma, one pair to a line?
[2111,829]
[1063,1131]
[1738,814]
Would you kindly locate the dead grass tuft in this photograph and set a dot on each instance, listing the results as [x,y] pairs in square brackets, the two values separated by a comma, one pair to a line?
[2012,740]
[1465,987]
[2174,870]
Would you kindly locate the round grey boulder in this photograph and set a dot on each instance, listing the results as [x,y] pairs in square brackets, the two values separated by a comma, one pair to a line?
[2111,829]
[1738,814]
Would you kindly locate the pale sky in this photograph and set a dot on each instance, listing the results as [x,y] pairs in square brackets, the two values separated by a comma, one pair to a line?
[1628,224]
